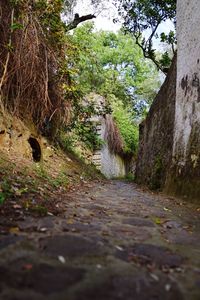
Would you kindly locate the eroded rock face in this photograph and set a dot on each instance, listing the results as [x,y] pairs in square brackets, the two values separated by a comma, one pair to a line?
[184,178]
[169,151]
[156,136]
[19,140]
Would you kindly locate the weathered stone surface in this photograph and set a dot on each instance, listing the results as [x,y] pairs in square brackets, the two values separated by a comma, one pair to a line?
[14,138]
[139,222]
[28,224]
[151,254]
[103,258]
[156,135]
[169,151]
[183,238]
[184,178]
[70,246]
[6,241]
[43,278]
[135,287]
[136,233]
[79,227]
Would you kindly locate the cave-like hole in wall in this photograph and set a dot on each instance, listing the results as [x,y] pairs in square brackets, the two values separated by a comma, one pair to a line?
[36,149]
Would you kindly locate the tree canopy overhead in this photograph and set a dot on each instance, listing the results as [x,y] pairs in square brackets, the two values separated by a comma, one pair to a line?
[145,16]
[111,64]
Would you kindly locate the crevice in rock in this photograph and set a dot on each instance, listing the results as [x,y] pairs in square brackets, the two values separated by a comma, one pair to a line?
[36,149]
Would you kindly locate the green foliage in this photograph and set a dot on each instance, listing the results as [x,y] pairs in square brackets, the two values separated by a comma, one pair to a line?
[69,66]
[112,64]
[82,132]
[127,126]
[16,26]
[130,177]
[87,133]
[2,197]
[60,179]
[39,210]
[5,190]
[146,16]
[165,60]
[35,89]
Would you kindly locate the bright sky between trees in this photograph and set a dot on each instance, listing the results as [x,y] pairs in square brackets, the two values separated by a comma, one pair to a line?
[105,15]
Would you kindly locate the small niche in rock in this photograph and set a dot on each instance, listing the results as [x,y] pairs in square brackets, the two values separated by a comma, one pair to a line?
[2,131]
[36,149]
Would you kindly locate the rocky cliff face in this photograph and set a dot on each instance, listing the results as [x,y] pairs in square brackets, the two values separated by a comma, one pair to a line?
[184,177]
[19,140]
[169,151]
[156,136]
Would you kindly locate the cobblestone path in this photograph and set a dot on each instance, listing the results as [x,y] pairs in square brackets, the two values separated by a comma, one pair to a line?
[113,241]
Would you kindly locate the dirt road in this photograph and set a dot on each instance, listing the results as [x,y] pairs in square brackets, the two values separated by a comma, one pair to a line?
[113,241]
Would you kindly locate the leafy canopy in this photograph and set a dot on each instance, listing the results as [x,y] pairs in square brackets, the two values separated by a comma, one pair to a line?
[128,129]
[111,64]
[145,16]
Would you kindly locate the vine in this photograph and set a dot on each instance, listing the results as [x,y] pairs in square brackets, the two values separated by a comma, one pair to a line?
[35,81]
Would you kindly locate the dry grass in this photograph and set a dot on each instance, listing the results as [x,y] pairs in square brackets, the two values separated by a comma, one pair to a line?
[112,136]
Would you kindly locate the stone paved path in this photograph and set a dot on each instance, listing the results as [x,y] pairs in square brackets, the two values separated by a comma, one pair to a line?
[113,241]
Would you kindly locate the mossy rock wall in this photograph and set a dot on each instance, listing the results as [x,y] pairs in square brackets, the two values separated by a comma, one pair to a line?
[156,135]
[184,175]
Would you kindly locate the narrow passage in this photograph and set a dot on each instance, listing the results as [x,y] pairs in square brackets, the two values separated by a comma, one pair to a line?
[113,241]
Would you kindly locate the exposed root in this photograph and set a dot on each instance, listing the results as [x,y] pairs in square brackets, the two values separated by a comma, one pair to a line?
[112,135]
[30,82]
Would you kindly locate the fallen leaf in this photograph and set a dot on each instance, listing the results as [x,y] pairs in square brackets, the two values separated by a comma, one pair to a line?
[119,248]
[16,206]
[61,259]
[158,221]
[14,230]
[99,266]
[50,214]
[154,276]
[28,267]
[19,192]
[70,221]
[43,229]
[105,233]
[75,230]
[167,287]
[167,209]
[180,270]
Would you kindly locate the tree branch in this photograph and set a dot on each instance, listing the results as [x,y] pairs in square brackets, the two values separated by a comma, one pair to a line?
[147,55]
[77,20]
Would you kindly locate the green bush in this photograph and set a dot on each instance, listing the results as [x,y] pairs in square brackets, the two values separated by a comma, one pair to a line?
[127,126]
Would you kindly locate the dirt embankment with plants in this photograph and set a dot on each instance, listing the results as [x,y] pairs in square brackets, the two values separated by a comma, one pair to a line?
[34,174]
[37,93]
[28,188]
[45,73]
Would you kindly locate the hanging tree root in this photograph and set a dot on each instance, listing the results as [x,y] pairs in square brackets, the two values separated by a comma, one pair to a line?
[30,80]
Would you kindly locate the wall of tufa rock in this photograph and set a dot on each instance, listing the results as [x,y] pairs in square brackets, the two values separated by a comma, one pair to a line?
[184,176]
[156,135]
